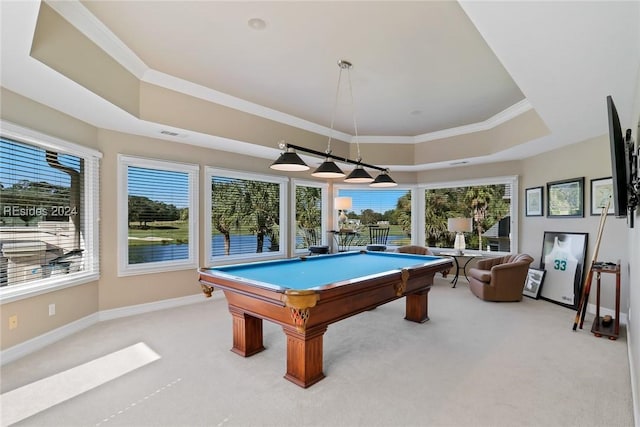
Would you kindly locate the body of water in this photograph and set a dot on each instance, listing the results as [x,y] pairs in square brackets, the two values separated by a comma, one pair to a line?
[240,244]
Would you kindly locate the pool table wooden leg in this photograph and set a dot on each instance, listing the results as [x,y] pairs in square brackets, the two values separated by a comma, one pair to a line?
[417,306]
[247,333]
[304,355]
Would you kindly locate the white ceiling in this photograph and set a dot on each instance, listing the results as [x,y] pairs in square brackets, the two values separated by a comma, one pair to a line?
[422,69]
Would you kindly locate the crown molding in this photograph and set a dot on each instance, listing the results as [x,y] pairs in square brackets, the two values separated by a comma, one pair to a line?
[83,20]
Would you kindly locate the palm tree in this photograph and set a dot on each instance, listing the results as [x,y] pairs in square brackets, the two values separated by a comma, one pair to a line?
[227,211]
[437,205]
[479,199]
[262,204]
[308,213]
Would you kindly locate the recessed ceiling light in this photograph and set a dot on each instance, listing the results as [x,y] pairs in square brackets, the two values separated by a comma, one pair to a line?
[257,23]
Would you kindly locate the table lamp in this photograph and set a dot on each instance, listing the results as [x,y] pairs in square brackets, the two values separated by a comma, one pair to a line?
[459,226]
[342,204]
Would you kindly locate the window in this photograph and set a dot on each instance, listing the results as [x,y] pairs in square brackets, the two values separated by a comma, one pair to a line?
[490,203]
[380,207]
[310,207]
[246,212]
[48,213]
[157,216]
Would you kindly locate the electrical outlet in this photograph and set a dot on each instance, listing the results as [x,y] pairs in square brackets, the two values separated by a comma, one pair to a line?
[13,321]
[52,309]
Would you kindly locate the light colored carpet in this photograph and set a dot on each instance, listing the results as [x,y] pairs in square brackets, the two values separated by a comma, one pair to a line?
[474,363]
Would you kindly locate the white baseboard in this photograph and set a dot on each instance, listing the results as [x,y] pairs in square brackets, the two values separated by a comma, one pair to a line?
[634,371]
[132,310]
[591,308]
[20,350]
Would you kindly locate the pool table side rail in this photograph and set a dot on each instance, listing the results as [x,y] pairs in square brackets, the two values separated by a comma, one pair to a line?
[355,295]
[215,275]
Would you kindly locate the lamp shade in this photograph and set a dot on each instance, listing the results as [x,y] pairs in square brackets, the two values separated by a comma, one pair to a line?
[383,180]
[459,225]
[358,176]
[289,161]
[342,203]
[328,169]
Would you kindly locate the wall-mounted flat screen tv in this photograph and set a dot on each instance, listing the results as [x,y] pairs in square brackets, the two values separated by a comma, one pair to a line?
[619,161]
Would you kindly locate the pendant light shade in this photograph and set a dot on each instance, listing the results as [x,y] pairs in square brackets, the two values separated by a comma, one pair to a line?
[359,176]
[328,169]
[383,180]
[289,161]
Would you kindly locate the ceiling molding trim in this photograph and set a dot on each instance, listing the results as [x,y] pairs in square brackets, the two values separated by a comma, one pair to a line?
[179,85]
[85,22]
[509,113]
[505,115]
[363,139]
[80,17]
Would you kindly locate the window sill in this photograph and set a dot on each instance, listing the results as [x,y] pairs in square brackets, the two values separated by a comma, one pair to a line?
[14,293]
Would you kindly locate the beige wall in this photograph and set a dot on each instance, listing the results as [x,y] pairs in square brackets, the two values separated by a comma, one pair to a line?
[633,328]
[589,159]
[71,303]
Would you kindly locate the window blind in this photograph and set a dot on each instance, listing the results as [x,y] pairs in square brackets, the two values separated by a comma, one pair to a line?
[245,216]
[48,205]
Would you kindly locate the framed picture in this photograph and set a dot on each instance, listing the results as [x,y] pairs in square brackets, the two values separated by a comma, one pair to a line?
[532,286]
[601,193]
[563,259]
[534,201]
[565,199]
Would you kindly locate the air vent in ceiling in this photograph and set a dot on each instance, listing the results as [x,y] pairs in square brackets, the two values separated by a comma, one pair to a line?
[168,132]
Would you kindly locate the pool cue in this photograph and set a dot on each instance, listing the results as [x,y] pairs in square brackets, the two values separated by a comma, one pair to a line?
[582,308]
[586,288]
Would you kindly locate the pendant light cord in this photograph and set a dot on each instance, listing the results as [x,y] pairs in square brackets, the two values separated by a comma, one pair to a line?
[335,107]
[353,109]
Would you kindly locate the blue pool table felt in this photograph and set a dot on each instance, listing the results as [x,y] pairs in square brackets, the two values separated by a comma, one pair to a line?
[322,270]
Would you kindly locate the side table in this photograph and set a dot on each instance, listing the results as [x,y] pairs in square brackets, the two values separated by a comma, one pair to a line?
[455,257]
[599,328]
[343,238]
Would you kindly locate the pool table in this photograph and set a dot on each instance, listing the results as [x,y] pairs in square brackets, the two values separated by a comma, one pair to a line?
[304,295]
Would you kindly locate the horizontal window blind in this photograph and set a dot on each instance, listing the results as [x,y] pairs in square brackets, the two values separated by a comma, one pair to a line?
[308,216]
[245,216]
[48,204]
[158,207]
[158,219]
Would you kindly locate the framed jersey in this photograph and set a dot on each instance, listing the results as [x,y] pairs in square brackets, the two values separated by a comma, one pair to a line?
[563,259]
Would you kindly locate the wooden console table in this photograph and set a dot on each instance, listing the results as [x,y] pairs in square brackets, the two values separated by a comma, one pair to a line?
[599,329]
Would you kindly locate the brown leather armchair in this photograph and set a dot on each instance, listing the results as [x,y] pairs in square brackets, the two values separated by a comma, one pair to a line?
[500,279]
[418,250]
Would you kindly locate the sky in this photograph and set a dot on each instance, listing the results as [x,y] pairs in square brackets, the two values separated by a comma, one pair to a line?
[378,200]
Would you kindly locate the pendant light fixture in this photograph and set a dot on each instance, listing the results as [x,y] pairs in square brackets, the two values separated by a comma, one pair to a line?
[358,175]
[328,169]
[290,161]
[383,180]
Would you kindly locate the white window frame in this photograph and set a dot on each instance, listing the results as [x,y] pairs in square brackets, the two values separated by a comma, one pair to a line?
[90,216]
[192,170]
[324,211]
[210,172]
[515,194]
